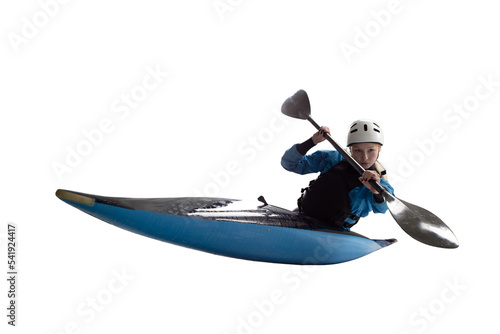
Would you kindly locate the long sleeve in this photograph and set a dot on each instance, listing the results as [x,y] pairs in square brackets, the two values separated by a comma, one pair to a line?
[363,202]
[319,161]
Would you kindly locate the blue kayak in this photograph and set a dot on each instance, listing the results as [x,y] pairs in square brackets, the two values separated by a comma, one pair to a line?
[246,230]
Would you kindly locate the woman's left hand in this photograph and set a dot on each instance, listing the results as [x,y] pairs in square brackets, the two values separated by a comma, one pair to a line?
[367,176]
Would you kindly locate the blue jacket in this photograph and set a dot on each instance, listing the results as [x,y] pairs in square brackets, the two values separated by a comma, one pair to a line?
[360,198]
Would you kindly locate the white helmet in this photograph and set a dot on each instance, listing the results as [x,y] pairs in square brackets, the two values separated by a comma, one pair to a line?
[365,131]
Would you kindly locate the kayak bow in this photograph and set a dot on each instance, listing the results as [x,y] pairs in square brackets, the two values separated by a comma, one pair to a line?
[239,229]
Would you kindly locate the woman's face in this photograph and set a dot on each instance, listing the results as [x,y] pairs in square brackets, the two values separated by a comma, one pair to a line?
[365,153]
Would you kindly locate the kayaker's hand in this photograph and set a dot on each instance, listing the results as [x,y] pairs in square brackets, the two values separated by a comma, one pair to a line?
[318,136]
[367,176]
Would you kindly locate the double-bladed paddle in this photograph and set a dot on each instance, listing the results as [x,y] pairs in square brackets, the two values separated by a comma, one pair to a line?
[417,222]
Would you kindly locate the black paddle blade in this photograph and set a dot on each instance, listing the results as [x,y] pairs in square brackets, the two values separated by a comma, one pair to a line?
[297,105]
[420,224]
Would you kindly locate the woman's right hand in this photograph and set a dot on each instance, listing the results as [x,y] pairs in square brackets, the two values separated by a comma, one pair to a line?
[318,137]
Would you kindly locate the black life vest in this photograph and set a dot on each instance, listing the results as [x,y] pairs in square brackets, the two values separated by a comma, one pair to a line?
[327,197]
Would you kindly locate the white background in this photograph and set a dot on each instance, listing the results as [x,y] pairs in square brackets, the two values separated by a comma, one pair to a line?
[229,69]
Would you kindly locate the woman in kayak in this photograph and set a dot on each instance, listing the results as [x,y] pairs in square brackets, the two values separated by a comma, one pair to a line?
[339,196]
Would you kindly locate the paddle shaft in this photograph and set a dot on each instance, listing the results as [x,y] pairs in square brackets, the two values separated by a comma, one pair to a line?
[347,156]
